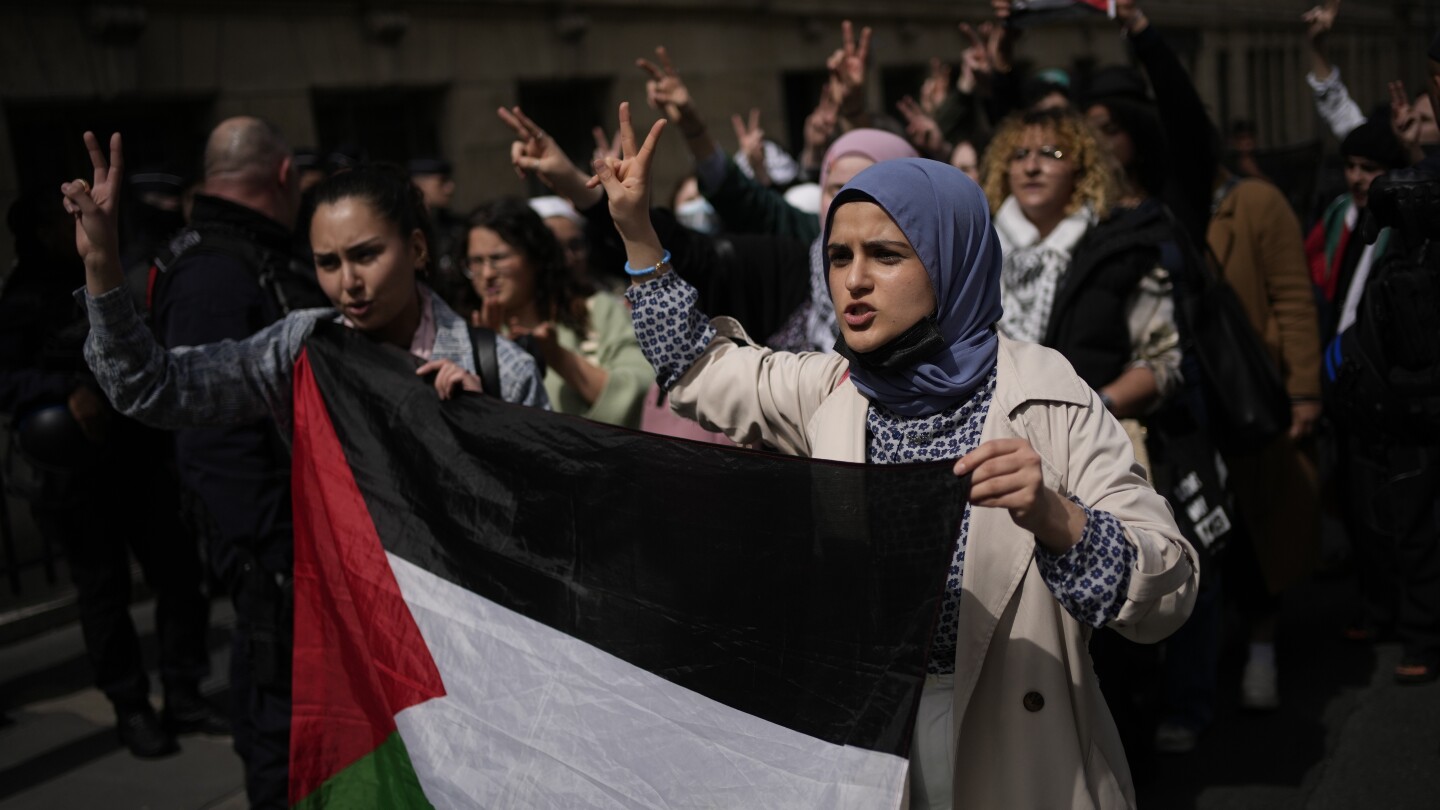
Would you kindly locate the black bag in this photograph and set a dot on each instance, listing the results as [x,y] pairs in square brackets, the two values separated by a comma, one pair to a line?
[1244,396]
[1246,403]
[1185,470]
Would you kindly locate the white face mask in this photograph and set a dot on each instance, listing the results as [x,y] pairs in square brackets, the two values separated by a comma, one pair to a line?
[698,215]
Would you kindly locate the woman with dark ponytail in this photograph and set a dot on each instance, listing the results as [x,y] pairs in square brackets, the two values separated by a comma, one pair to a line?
[370,237]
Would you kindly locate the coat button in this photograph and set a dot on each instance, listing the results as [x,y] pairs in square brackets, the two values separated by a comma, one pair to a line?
[1034,701]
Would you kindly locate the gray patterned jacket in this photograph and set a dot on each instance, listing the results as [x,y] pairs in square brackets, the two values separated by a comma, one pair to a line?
[235,382]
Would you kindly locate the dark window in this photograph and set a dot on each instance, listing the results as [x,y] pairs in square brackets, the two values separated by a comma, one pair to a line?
[45,136]
[897,82]
[161,135]
[388,124]
[569,110]
[801,90]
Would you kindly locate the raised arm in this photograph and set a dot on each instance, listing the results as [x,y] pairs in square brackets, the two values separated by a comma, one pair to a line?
[666,90]
[1318,22]
[1405,122]
[96,208]
[922,130]
[751,394]
[220,384]
[626,181]
[1000,38]
[1332,99]
[1187,126]
[750,142]
[820,127]
[959,113]
[534,151]
[744,205]
[848,67]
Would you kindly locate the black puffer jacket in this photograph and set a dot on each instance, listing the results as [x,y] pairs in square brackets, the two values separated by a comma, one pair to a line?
[1088,321]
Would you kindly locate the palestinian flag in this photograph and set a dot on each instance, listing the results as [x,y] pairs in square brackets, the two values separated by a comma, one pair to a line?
[501,607]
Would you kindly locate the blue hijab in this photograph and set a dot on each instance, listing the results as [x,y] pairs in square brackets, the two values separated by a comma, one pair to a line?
[946,218]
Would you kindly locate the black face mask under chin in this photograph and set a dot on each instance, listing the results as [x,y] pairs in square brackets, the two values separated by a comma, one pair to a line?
[905,350]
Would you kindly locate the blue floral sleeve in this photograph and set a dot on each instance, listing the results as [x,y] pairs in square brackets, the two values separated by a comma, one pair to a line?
[1091,579]
[671,331]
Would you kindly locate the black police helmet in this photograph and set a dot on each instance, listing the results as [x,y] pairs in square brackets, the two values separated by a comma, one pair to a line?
[51,439]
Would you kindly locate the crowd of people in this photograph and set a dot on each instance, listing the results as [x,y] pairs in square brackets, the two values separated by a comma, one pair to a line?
[1045,279]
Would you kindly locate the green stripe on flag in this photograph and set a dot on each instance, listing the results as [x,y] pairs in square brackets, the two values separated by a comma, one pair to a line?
[383,778]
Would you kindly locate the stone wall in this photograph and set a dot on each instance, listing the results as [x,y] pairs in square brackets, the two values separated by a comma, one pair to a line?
[268,58]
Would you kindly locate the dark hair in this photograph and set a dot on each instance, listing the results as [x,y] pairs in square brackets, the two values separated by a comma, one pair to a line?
[389,192]
[1375,140]
[979,140]
[1036,88]
[1139,120]
[559,294]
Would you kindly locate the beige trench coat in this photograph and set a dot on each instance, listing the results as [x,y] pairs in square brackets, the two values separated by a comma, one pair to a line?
[1031,729]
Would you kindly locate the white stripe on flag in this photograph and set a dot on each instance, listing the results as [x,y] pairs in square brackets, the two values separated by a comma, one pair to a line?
[535,718]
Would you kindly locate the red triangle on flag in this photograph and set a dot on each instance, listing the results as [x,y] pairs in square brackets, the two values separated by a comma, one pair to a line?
[359,657]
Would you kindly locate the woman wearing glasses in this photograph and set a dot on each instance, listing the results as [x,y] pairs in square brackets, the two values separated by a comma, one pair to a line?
[593,365]
[1081,272]
[1083,275]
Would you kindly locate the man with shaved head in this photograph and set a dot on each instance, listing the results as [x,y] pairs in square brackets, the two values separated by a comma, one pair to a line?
[230,274]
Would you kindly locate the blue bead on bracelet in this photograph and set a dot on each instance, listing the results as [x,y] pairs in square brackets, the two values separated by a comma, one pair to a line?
[645,271]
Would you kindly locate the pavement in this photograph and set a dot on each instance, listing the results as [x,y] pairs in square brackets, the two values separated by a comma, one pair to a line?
[57,733]
[1345,735]
[58,747]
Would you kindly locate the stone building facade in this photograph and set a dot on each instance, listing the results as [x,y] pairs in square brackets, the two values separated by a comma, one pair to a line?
[406,77]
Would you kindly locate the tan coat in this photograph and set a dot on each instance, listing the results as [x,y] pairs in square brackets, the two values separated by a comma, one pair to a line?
[1257,240]
[1015,639]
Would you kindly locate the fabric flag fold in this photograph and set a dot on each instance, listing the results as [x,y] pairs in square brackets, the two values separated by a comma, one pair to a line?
[501,607]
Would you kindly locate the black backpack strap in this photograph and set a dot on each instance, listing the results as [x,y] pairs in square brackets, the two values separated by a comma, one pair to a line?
[487,361]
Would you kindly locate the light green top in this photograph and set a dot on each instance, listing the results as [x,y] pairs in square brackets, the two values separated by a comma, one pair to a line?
[611,345]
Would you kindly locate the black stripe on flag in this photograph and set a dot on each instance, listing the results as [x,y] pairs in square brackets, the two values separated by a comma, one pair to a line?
[797,591]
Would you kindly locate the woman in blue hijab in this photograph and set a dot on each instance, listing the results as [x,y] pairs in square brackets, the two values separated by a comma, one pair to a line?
[1061,534]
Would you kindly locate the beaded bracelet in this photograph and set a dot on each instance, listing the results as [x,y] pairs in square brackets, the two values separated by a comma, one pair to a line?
[645,271]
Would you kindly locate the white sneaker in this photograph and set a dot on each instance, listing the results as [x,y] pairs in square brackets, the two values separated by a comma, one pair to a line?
[1173,738]
[1257,686]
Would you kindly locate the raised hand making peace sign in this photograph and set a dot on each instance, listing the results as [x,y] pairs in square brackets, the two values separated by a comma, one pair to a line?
[535,151]
[95,206]
[751,144]
[847,67]
[666,91]
[627,184]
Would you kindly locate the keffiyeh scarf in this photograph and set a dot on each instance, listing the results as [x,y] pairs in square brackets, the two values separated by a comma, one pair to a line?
[1032,267]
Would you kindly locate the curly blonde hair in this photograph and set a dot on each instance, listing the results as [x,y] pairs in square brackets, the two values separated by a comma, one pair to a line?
[1096,177]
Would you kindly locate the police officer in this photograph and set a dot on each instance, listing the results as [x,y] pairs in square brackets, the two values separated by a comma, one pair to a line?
[230,274]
